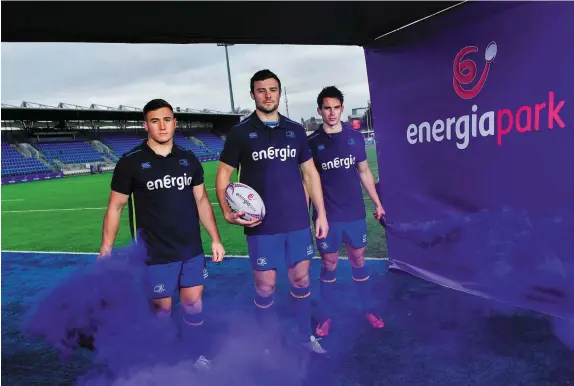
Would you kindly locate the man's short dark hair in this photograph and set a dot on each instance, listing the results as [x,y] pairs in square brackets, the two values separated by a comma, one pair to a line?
[263,75]
[155,104]
[329,92]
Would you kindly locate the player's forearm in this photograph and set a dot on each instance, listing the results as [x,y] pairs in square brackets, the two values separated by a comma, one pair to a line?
[220,192]
[315,191]
[221,182]
[110,228]
[207,218]
[306,196]
[368,182]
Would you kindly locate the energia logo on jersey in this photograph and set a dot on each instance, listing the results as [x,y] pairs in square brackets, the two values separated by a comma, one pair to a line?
[337,163]
[169,182]
[282,153]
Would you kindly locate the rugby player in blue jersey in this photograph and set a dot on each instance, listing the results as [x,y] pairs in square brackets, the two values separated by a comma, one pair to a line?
[272,155]
[341,159]
[163,186]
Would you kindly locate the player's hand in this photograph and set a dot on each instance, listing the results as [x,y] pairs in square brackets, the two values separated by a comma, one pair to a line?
[379,212]
[217,252]
[235,218]
[104,253]
[321,227]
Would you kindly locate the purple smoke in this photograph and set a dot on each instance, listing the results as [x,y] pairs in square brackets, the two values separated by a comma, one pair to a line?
[510,257]
[103,307]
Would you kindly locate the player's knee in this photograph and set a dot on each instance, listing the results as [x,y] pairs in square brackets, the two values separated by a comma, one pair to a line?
[299,274]
[329,261]
[329,265]
[265,282]
[264,288]
[191,298]
[161,307]
[191,302]
[300,280]
[358,262]
[357,257]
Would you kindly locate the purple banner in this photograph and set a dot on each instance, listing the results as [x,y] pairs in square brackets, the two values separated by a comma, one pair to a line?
[474,123]
[31,177]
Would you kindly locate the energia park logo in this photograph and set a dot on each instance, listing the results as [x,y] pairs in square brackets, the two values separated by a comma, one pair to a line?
[490,123]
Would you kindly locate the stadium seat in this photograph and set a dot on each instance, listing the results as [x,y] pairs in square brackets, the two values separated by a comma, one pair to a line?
[200,151]
[211,141]
[69,152]
[15,164]
[121,144]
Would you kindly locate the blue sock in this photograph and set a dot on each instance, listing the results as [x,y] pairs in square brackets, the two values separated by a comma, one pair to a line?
[192,334]
[264,310]
[361,278]
[327,283]
[302,305]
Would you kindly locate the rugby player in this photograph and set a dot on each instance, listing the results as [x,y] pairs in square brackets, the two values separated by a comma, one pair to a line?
[341,159]
[162,183]
[272,155]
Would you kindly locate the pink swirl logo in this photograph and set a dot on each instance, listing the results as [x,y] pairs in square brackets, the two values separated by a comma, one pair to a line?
[465,71]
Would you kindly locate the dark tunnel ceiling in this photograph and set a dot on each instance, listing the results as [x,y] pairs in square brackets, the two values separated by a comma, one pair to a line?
[289,22]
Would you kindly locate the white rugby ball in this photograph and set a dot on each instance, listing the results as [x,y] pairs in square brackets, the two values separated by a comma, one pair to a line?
[243,198]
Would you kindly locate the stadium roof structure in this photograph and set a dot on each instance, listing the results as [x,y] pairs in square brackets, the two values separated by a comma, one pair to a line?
[362,23]
[29,111]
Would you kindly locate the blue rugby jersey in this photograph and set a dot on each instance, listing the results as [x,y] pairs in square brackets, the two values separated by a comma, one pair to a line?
[336,157]
[269,159]
[162,208]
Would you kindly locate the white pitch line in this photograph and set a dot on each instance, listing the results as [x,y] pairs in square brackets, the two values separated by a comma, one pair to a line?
[16,199]
[53,252]
[61,210]
[229,257]
[50,210]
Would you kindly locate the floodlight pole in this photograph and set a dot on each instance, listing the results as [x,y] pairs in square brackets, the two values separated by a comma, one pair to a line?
[228,74]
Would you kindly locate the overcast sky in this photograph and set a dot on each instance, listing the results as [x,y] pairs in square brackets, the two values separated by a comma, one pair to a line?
[191,76]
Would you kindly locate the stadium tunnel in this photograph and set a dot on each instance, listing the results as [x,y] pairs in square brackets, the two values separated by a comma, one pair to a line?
[384,26]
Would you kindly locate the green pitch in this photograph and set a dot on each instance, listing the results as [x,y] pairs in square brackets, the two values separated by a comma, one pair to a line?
[67,214]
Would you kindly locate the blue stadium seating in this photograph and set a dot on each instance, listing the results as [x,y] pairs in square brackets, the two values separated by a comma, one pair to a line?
[70,152]
[188,144]
[212,141]
[121,144]
[15,164]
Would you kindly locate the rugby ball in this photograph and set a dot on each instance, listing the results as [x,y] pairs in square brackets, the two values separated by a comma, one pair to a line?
[243,198]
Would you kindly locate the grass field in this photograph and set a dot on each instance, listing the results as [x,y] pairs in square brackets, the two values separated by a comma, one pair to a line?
[66,215]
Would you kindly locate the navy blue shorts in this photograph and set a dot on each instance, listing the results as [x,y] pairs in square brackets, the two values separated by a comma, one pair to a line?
[352,233]
[164,279]
[267,252]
